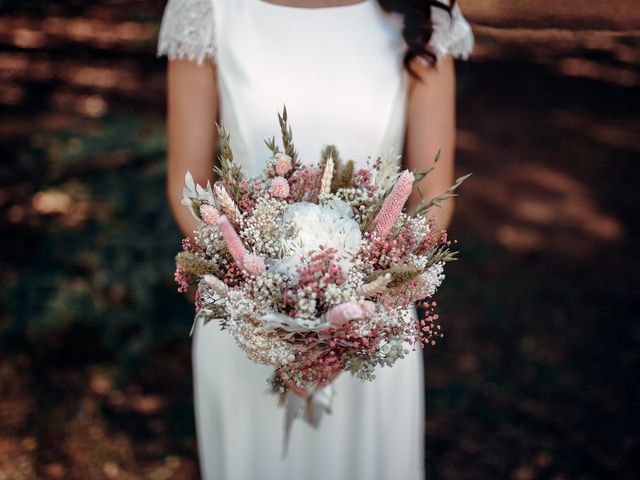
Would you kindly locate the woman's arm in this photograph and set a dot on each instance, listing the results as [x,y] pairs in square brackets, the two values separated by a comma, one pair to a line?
[192,110]
[431,127]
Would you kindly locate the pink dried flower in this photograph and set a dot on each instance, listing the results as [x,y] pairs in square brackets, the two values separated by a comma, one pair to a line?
[392,207]
[318,269]
[209,214]
[344,313]
[427,330]
[279,187]
[246,203]
[304,182]
[283,164]
[233,276]
[319,366]
[183,279]
[186,245]
[254,264]
[369,308]
[232,239]
[247,192]
[388,253]
[198,301]
[362,179]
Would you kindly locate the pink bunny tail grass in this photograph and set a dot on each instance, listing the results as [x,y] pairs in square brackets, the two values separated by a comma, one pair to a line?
[279,187]
[369,308]
[392,206]
[344,313]
[232,239]
[209,214]
[253,264]
[283,164]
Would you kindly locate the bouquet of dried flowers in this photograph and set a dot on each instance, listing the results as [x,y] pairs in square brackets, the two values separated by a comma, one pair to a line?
[315,269]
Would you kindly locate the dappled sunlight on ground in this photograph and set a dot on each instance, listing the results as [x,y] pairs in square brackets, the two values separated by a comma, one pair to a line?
[540,210]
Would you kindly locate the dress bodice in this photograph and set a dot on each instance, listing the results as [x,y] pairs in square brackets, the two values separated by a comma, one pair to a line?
[338,70]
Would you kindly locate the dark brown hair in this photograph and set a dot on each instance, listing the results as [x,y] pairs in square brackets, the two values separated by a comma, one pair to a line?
[418,27]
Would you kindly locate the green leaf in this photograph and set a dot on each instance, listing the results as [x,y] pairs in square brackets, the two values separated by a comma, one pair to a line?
[419,175]
[424,206]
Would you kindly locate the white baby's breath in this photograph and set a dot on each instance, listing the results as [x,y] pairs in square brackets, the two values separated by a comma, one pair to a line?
[433,278]
[385,177]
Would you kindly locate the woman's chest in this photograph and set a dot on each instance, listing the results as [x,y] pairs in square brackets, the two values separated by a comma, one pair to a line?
[339,71]
[355,49]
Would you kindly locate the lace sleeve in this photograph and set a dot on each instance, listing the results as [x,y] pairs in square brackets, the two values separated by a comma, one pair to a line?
[187,31]
[452,34]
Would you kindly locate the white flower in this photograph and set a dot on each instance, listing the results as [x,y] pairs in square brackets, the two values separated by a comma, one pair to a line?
[433,278]
[386,175]
[193,191]
[330,225]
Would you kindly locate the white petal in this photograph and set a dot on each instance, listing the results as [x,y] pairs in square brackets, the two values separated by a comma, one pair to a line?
[188,180]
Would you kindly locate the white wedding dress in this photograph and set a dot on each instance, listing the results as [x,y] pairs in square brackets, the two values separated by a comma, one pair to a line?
[339,72]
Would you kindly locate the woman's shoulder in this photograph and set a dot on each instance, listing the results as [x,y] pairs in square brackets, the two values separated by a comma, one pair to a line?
[187,31]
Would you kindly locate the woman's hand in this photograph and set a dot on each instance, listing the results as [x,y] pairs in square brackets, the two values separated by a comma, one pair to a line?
[431,128]
[192,110]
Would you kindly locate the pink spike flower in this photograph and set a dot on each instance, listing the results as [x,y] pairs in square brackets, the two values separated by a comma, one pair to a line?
[392,206]
[232,239]
[209,214]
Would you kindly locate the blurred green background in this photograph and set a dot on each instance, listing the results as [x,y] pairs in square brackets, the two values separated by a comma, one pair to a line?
[536,377]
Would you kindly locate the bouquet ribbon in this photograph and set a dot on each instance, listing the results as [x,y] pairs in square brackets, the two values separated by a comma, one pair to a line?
[310,409]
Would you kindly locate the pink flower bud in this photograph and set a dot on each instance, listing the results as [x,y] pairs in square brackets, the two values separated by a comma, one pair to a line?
[283,163]
[254,264]
[344,313]
[279,187]
[209,214]
[369,308]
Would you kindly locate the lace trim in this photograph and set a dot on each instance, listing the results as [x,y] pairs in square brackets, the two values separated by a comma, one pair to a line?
[187,31]
[452,35]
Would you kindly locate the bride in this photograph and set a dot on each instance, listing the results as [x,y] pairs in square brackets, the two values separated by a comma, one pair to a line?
[369,76]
